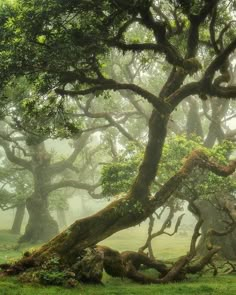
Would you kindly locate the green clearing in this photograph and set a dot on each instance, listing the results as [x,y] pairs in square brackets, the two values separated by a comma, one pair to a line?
[125,240]
[223,285]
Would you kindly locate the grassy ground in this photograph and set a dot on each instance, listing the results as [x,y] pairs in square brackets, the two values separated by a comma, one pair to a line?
[223,285]
[166,248]
[9,250]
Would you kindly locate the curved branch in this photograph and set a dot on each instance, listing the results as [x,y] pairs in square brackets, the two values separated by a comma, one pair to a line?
[195,22]
[222,33]
[215,65]
[189,89]
[112,122]
[62,165]
[13,158]
[173,56]
[109,84]
[196,159]
[222,92]
[71,183]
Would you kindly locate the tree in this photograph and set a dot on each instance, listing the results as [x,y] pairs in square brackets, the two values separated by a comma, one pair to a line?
[45,175]
[63,47]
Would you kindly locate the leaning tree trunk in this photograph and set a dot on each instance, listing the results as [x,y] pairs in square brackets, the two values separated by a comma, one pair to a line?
[18,219]
[121,214]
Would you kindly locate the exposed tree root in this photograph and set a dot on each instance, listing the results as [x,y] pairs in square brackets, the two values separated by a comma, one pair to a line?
[90,264]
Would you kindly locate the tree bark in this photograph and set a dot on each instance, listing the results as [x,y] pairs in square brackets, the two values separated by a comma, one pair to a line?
[18,219]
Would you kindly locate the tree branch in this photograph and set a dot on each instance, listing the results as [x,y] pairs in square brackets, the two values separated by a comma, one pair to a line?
[109,84]
[13,158]
[196,159]
[62,165]
[216,64]
[71,183]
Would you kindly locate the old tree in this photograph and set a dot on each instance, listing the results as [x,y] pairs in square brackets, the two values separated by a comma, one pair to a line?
[64,47]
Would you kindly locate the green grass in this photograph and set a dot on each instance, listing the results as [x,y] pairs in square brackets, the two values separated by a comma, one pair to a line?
[222,285]
[130,239]
[9,250]
[7,246]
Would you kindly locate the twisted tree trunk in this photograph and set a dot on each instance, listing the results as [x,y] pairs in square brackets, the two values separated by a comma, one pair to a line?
[41,226]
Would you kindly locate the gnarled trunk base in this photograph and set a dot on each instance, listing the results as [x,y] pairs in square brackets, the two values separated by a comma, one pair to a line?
[41,226]
[89,264]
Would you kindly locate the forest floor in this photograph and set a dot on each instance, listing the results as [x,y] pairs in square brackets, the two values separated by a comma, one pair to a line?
[167,248]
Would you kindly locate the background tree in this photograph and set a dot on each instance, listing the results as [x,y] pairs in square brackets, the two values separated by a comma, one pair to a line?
[29,152]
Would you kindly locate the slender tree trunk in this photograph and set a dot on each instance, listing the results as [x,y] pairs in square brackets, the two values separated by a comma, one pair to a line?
[215,132]
[18,219]
[61,217]
[194,125]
